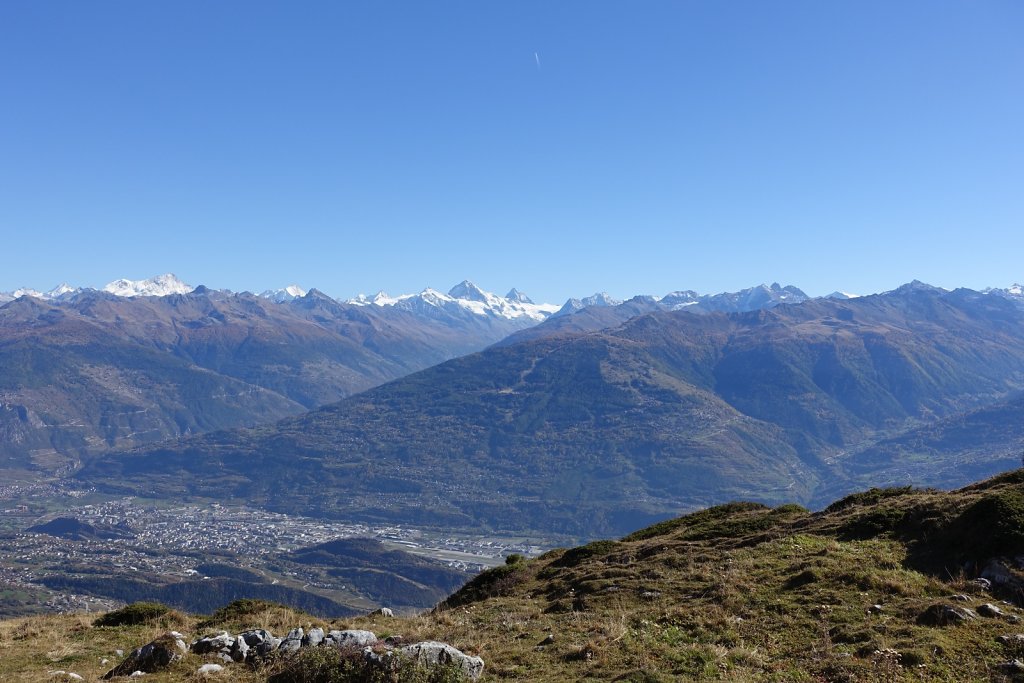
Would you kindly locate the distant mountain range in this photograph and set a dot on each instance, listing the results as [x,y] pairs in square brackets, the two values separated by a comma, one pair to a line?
[591,429]
[83,370]
[87,370]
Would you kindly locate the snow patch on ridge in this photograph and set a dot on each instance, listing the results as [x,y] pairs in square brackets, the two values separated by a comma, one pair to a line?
[161,285]
[463,298]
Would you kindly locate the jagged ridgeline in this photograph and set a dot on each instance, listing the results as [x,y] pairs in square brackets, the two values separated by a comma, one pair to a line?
[591,434]
[896,584]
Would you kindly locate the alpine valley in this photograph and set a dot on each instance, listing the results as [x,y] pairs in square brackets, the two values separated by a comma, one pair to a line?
[629,413]
[189,445]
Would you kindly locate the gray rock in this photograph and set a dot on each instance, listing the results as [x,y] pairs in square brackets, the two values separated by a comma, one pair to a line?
[945,615]
[291,643]
[264,649]
[240,650]
[207,669]
[351,638]
[151,657]
[221,641]
[990,610]
[382,612]
[432,653]
[960,597]
[548,640]
[1013,667]
[1012,639]
[255,636]
[313,638]
[983,583]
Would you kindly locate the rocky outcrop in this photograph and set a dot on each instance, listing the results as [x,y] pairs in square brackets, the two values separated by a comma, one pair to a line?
[151,657]
[945,615]
[389,654]
[432,653]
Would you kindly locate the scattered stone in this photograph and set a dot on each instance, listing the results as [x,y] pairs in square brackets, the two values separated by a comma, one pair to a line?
[548,640]
[217,643]
[313,638]
[434,653]
[151,657]
[292,642]
[255,636]
[945,615]
[1013,618]
[350,638]
[982,583]
[394,640]
[874,609]
[382,612]
[207,669]
[1013,667]
[66,676]
[960,597]
[239,650]
[137,674]
[990,610]
[1012,639]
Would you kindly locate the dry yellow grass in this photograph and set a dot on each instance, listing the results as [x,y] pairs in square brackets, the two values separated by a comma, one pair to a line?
[737,593]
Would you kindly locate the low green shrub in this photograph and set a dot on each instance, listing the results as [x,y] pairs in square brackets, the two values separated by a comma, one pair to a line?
[490,583]
[574,556]
[133,614]
[334,665]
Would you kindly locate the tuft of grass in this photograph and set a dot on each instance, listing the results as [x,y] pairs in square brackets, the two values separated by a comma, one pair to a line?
[134,614]
[251,613]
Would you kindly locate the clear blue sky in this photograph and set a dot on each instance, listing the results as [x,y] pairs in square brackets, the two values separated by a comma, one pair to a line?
[559,147]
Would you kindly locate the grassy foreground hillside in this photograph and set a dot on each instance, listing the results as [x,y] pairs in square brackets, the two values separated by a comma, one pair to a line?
[863,591]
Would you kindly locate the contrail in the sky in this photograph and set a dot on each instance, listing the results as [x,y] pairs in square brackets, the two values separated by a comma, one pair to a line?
[536,58]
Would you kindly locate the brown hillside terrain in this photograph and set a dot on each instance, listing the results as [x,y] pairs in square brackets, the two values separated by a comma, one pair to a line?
[885,585]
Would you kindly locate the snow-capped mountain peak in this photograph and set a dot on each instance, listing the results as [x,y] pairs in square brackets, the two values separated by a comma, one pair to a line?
[461,300]
[515,295]
[284,294]
[841,296]
[467,290]
[598,299]
[1014,290]
[60,290]
[161,285]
